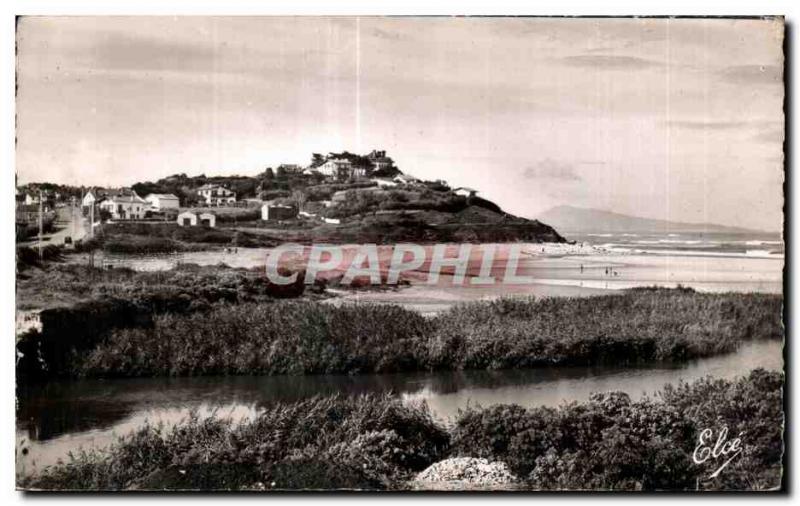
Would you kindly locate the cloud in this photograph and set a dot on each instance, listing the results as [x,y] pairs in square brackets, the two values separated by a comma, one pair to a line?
[551,170]
[770,130]
[387,34]
[706,125]
[752,74]
[770,136]
[609,62]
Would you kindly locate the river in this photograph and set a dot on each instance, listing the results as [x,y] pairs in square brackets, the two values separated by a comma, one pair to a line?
[56,418]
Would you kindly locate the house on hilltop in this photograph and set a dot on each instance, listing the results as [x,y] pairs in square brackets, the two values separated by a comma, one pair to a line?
[465,191]
[339,168]
[379,160]
[216,195]
[347,165]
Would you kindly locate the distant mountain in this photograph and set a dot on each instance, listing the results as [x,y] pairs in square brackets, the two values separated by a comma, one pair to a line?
[578,219]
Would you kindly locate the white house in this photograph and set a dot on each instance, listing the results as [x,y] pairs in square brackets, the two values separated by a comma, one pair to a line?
[125,207]
[162,201]
[216,195]
[336,167]
[465,192]
[187,219]
[89,199]
[379,160]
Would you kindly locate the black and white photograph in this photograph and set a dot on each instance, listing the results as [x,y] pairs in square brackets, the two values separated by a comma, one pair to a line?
[383,253]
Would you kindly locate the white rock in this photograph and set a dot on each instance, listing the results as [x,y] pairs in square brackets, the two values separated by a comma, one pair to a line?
[467,470]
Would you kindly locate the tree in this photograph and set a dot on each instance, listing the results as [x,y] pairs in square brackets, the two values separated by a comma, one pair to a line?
[281,173]
[269,174]
[317,159]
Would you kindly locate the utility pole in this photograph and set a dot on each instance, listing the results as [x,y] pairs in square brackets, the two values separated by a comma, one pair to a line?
[41,226]
[91,223]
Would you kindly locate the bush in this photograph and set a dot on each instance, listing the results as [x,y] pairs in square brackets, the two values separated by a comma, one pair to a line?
[377,442]
[30,257]
[612,443]
[316,443]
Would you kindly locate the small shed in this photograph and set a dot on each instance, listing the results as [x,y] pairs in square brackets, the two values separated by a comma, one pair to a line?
[187,219]
[271,212]
[208,220]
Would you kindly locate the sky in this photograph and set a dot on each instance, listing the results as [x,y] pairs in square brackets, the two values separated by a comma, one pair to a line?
[677,119]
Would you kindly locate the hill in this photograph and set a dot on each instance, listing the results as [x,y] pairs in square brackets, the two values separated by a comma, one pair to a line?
[382,205]
[578,219]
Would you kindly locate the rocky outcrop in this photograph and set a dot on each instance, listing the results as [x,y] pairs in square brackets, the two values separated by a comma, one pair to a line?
[465,473]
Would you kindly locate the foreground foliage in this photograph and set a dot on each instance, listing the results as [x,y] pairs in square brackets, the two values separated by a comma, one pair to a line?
[611,442]
[374,442]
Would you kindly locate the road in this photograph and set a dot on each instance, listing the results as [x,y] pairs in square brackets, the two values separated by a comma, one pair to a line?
[69,223]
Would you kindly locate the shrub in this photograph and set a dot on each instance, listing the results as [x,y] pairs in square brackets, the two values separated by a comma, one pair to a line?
[316,443]
[377,442]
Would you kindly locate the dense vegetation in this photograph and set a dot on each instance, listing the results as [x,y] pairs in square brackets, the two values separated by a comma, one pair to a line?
[170,237]
[271,183]
[27,256]
[27,224]
[611,442]
[293,337]
[65,284]
[185,187]
[370,442]
[103,300]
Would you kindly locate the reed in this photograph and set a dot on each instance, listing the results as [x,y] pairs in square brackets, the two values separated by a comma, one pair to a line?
[301,337]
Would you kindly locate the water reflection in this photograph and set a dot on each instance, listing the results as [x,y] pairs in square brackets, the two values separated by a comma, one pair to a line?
[59,417]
